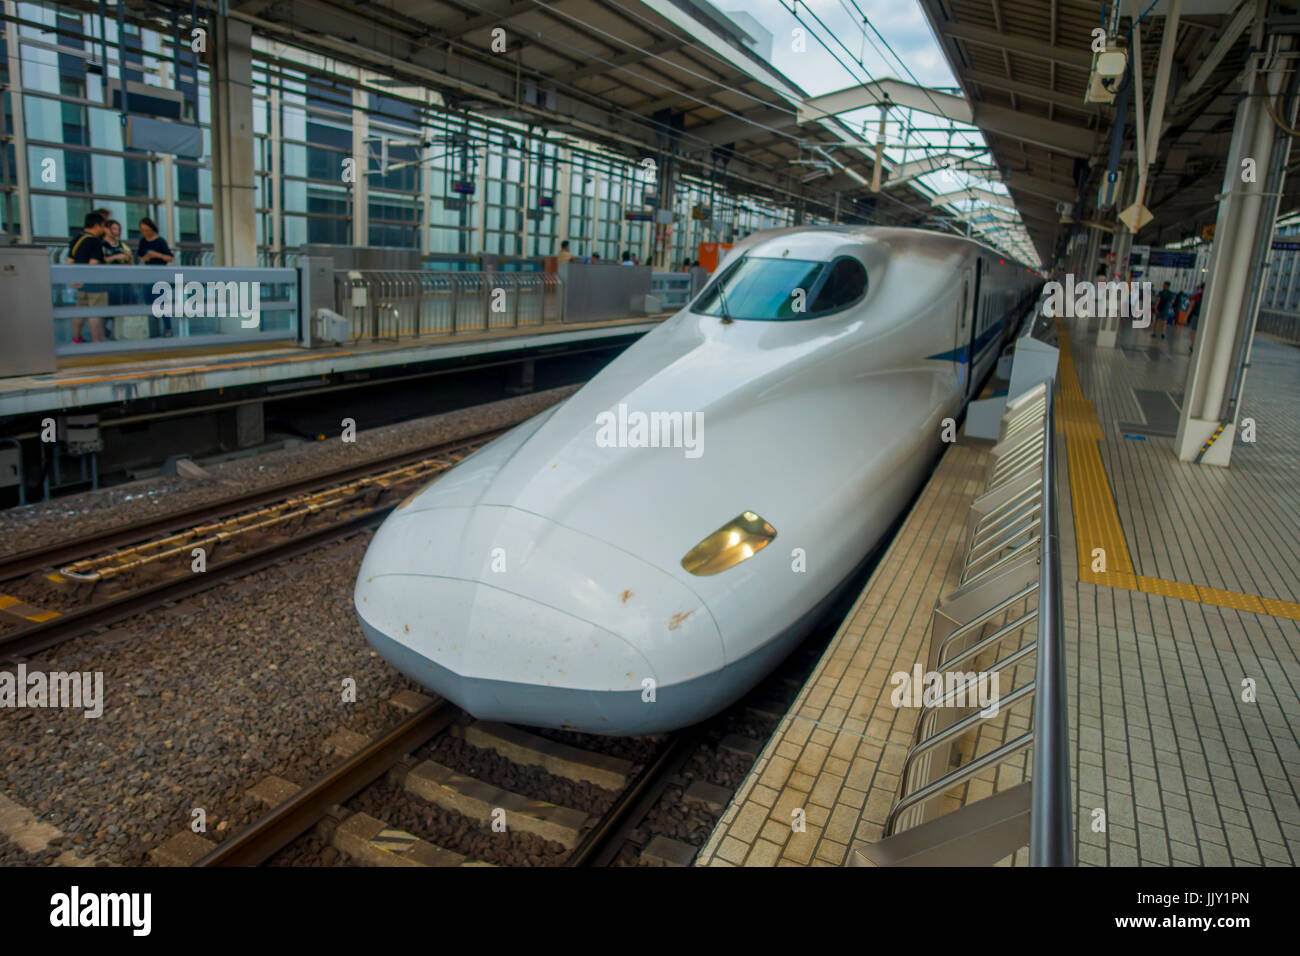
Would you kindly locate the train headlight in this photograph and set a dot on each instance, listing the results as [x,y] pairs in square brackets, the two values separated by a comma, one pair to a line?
[740,538]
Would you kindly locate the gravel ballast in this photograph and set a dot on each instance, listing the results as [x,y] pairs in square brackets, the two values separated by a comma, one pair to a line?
[201,701]
[204,698]
[73,516]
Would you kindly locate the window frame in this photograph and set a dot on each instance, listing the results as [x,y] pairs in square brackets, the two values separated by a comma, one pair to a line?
[817,286]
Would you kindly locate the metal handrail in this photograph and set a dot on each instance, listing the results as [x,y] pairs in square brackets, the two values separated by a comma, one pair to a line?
[1008,558]
[992,640]
[1050,842]
[954,777]
[990,539]
[395,303]
[1030,512]
[1029,491]
[959,728]
[984,616]
[950,697]
[1026,448]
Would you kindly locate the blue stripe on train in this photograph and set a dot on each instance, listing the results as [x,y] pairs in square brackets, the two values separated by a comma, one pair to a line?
[982,342]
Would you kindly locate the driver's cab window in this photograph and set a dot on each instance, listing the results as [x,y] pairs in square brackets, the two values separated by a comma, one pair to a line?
[844,285]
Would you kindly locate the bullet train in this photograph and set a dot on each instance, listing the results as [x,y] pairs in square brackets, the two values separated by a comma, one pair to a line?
[635,558]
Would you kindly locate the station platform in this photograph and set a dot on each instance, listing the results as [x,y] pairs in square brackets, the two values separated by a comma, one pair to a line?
[1198,608]
[113,378]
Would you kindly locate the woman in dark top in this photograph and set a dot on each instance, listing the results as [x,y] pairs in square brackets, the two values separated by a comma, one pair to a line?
[154,251]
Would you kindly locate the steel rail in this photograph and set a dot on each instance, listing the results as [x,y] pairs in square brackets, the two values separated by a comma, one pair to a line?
[261,840]
[603,841]
[27,640]
[38,559]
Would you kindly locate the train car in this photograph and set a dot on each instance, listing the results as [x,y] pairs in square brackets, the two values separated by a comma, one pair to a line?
[635,558]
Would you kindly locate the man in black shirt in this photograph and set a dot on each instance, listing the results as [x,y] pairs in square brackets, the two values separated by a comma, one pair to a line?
[88,249]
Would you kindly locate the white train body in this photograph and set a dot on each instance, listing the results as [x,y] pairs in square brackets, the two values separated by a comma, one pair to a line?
[541,581]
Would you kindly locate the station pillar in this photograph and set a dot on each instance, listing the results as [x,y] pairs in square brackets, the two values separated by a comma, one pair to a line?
[1248,206]
[230,55]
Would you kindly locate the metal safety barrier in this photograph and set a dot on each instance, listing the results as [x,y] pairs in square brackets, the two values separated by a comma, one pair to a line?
[174,306]
[673,289]
[1005,610]
[389,304]
[1281,325]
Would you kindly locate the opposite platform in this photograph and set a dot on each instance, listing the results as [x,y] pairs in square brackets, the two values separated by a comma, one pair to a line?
[81,383]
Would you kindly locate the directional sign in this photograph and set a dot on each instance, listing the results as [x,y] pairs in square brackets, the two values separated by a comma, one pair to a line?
[1136,216]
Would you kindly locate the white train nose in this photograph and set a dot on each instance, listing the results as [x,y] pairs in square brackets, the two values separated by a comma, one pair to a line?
[516,618]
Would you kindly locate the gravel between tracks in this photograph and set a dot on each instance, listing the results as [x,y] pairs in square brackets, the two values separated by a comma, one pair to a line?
[63,519]
[453,831]
[201,701]
[528,781]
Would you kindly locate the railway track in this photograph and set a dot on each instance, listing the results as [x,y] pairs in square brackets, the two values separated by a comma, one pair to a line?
[59,592]
[404,761]
[396,756]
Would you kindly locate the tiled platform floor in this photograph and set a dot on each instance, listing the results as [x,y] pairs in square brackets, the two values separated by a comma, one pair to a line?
[1185,770]
[837,753]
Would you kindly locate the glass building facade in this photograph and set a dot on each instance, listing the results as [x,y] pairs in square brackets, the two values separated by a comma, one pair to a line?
[342,156]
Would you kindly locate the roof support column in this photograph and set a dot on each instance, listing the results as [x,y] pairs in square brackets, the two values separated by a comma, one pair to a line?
[1151,142]
[564,180]
[1120,246]
[230,52]
[361,168]
[1243,236]
[22,193]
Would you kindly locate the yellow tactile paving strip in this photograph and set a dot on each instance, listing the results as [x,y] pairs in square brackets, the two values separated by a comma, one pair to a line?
[1096,520]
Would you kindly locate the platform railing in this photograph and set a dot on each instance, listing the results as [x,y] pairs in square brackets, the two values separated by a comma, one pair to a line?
[1279,324]
[673,289]
[385,305]
[1007,607]
[144,308]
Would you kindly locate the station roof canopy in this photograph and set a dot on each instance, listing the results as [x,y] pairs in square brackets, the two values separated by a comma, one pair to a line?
[1027,64]
[639,76]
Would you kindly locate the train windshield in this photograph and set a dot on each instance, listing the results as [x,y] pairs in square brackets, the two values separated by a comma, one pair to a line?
[783,289]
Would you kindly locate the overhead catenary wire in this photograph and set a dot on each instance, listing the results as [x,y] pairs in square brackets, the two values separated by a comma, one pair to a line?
[968,179]
[650,121]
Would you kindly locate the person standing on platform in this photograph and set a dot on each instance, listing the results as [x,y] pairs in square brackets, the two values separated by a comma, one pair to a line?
[116,252]
[627,259]
[111,243]
[87,249]
[565,255]
[154,251]
[595,257]
[1164,302]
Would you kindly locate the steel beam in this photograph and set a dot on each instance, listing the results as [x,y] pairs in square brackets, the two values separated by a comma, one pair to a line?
[1079,57]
